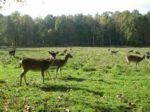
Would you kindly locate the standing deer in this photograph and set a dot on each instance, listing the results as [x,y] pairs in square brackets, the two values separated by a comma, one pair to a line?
[134,58]
[147,56]
[35,65]
[59,63]
[114,52]
[12,52]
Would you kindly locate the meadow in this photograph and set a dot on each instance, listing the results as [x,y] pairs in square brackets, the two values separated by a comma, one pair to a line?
[93,81]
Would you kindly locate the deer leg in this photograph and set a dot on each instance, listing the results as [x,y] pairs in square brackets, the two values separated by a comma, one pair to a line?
[136,65]
[47,72]
[61,72]
[22,75]
[25,79]
[42,72]
[57,71]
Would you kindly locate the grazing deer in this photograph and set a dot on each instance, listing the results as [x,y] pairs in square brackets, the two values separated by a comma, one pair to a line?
[114,52]
[53,54]
[12,52]
[35,65]
[147,53]
[137,52]
[63,53]
[134,58]
[131,51]
[59,63]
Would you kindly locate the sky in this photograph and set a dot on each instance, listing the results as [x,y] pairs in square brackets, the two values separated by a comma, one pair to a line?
[41,8]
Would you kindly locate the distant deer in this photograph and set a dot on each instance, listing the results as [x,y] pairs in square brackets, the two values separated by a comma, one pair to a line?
[63,53]
[108,49]
[148,56]
[53,54]
[59,63]
[134,58]
[114,52]
[12,52]
[35,65]
[131,51]
[147,53]
[137,52]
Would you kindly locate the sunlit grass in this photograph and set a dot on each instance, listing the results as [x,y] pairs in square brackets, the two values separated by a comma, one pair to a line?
[92,81]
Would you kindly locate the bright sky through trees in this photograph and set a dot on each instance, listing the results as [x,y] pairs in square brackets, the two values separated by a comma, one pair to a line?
[36,8]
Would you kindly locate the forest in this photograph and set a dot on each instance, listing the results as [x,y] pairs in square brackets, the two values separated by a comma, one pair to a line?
[107,29]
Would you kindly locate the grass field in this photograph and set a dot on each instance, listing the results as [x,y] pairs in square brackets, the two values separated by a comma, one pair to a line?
[92,81]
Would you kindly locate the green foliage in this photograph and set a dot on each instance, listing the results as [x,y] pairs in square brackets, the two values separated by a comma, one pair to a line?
[107,29]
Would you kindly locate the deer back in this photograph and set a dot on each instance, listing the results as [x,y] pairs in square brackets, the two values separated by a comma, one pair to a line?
[134,58]
[35,64]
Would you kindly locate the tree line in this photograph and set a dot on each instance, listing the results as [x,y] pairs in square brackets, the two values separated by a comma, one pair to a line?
[107,29]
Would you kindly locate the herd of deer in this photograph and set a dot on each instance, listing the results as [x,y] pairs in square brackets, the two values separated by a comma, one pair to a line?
[134,58]
[43,64]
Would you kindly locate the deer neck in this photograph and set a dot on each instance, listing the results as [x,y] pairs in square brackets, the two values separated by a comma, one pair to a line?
[66,59]
[143,57]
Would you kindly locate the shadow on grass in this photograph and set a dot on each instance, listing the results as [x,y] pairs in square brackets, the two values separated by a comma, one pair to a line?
[123,108]
[33,50]
[68,88]
[104,81]
[97,107]
[2,81]
[70,78]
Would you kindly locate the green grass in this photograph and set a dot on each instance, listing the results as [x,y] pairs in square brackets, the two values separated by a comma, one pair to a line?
[92,81]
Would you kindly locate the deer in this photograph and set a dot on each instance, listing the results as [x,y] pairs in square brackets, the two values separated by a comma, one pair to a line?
[147,53]
[12,52]
[59,63]
[134,58]
[63,53]
[34,65]
[148,57]
[130,51]
[114,52]
[53,54]
[137,52]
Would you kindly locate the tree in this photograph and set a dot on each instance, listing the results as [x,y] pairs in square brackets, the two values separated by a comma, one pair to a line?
[12,32]
[26,31]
